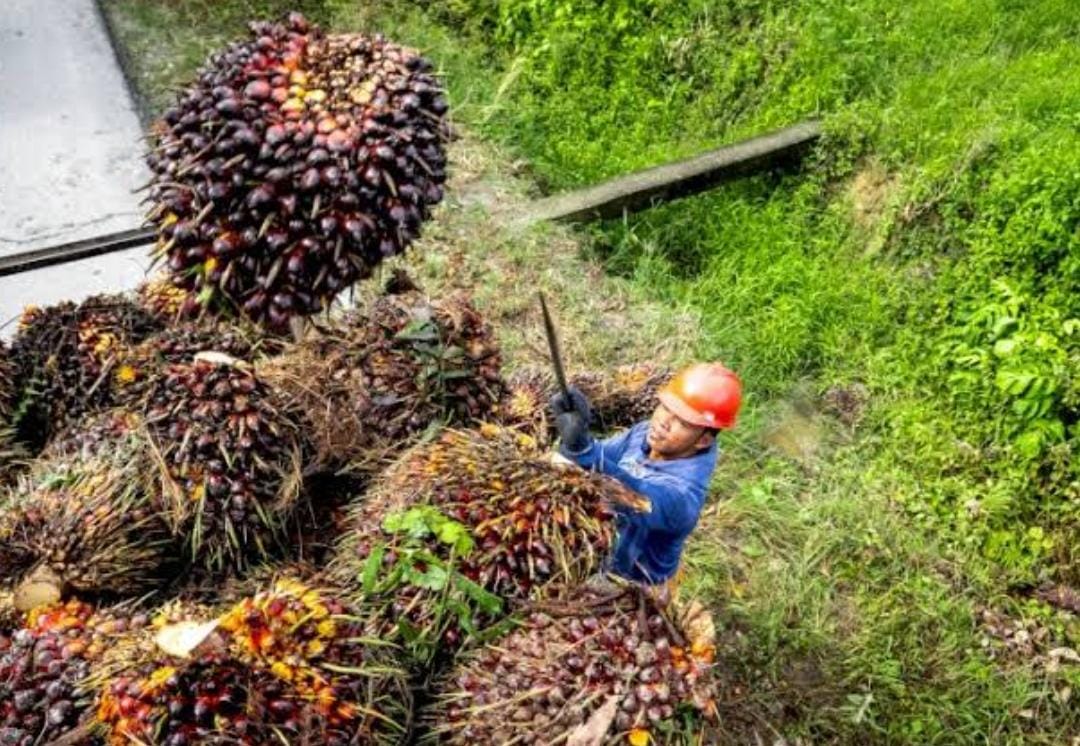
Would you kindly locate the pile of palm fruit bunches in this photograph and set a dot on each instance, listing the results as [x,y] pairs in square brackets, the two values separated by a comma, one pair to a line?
[163,452]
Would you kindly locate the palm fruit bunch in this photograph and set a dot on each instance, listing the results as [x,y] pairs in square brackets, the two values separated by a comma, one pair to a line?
[286,665]
[63,355]
[163,299]
[10,453]
[87,525]
[529,523]
[625,396]
[99,435]
[293,165]
[569,658]
[44,668]
[371,383]
[139,366]
[228,457]
[619,399]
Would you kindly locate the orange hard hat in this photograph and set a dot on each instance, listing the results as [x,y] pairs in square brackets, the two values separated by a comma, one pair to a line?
[705,394]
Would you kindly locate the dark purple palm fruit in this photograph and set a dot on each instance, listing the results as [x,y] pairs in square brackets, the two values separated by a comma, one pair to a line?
[63,355]
[44,668]
[230,460]
[86,524]
[543,680]
[10,452]
[287,664]
[293,165]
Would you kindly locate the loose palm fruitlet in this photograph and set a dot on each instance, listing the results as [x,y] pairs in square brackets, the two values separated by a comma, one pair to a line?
[230,460]
[295,164]
[63,356]
[86,525]
[287,665]
[370,384]
[532,523]
[619,399]
[44,667]
[545,679]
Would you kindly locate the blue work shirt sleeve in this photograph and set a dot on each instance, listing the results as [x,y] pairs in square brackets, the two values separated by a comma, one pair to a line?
[600,452]
[667,494]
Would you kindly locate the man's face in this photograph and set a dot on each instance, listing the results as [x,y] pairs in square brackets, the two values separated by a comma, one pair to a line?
[672,437]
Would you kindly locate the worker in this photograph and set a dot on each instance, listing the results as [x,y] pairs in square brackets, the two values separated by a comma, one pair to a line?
[668,459]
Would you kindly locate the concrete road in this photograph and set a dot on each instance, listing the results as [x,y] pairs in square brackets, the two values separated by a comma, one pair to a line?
[70,149]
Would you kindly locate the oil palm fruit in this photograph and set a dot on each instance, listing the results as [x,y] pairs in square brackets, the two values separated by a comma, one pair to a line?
[10,452]
[7,386]
[229,460]
[43,669]
[288,664]
[293,165]
[372,382]
[99,435]
[140,365]
[63,356]
[623,397]
[163,299]
[542,681]
[619,399]
[87,524]
[524,405]
[529,522]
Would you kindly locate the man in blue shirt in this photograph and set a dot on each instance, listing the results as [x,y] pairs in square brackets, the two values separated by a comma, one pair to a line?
[669,459]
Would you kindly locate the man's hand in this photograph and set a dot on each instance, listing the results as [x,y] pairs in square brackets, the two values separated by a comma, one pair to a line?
[572,417]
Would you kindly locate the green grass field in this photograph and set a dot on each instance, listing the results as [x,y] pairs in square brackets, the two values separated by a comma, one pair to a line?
[904,312]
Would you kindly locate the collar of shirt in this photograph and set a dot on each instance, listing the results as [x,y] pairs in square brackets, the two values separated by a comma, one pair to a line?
[698,467]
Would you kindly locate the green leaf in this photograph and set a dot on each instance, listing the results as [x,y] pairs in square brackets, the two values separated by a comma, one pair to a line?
[372,567]
[456,535]
[488,602]
[1029,444]
[448,375]
[1012,382]
[1004,347]
[419,330]
[413,522]
[408,632]
[1003,326]
[434,578]
[464,614]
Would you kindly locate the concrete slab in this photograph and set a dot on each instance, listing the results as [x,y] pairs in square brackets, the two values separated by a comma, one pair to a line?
[75,281]
[644,189]
[70,140]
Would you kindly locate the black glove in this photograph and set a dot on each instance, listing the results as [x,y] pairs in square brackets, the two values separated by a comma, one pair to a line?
[572,418]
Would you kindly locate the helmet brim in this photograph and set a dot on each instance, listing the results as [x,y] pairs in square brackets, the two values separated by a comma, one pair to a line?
[685,412]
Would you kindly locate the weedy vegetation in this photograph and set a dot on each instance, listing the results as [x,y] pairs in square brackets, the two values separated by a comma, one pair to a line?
[903,310]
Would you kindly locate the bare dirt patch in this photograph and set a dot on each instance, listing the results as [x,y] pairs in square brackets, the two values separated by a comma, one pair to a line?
[871,191]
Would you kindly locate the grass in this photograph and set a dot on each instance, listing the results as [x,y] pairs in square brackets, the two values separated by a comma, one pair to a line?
[925,256]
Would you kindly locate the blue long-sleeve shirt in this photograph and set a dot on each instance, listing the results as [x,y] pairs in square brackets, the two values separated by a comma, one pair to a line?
[650,545]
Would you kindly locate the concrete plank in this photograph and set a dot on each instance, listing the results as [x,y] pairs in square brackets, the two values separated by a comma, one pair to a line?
[70,140]
[643,189]
[102,274]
